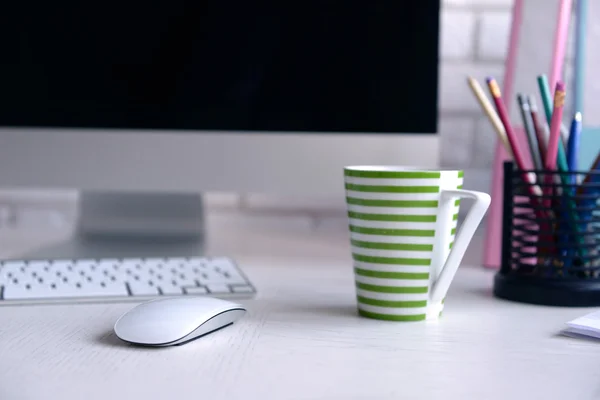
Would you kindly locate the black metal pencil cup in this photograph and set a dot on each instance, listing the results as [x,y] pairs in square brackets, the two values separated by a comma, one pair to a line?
[550,238]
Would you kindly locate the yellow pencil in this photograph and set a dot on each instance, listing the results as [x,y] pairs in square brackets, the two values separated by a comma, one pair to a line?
[489,110]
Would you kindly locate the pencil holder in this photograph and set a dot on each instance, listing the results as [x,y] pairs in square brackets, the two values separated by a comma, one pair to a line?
[550,238]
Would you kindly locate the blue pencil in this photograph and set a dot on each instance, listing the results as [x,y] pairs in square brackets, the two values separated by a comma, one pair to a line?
[572,161]
[573,145]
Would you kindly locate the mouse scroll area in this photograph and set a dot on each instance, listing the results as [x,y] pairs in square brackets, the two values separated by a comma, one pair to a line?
[217,323]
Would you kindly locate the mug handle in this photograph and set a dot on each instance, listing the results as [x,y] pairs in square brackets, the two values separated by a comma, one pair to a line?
[463,238]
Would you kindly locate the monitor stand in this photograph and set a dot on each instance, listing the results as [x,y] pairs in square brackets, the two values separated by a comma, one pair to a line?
[117,225]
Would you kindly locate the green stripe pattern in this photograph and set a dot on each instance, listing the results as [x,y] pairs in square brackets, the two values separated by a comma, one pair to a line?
[392,189]
[393,220]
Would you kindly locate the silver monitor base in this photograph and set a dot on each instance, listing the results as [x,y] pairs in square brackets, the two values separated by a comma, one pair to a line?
[117,225]
[147,215]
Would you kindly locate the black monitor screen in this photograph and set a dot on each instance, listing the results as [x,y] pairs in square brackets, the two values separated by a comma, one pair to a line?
[315,65]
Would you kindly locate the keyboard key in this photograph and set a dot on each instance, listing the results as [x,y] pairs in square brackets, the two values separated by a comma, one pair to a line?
[185,278]
[86,261]
[18,292]
[170,289]
[130,265]
[109,289]
[61,291]
[198,262]
[234,276]
[108,264]
[63,264]
[139,288]
[242,289]
[218,288]
[14,264]
[36,265]
[10,270]
[85,265]
[196,290]
[41,275]
[223,264]
[208,277]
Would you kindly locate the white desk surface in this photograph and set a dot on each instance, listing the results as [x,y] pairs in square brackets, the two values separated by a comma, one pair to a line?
[302,339]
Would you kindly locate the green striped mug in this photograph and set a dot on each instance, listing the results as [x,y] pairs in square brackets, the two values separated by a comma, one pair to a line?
[404,239]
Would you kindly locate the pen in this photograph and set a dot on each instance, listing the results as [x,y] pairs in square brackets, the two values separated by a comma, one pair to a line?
[529,131]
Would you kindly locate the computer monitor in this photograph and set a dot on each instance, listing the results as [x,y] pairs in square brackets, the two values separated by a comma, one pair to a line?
[144,106]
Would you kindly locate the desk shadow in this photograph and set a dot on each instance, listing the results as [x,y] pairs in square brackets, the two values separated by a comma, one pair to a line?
[576,337]
[109,338]
[480,291]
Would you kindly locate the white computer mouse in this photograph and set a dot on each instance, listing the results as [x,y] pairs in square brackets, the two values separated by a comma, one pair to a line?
[176,320]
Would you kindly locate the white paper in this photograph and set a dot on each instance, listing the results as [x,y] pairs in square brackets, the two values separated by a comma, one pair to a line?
[588,325]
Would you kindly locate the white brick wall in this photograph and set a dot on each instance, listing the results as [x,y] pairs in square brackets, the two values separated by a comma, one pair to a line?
[492,37]
[457,28]
[474,41]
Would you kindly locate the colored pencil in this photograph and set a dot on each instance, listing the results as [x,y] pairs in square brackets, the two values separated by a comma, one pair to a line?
[510,134]
[547,103]
[555,122]
[569,204]
[503,115]
[573,144]
[561,34]
[489,110]
[529,131]
[539,128]
[553,141]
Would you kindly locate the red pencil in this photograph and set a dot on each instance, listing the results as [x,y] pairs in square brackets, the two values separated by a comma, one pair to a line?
[539,130]
[503,114]
[533,189]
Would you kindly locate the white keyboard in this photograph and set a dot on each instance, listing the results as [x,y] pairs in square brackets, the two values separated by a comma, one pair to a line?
[118,279]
